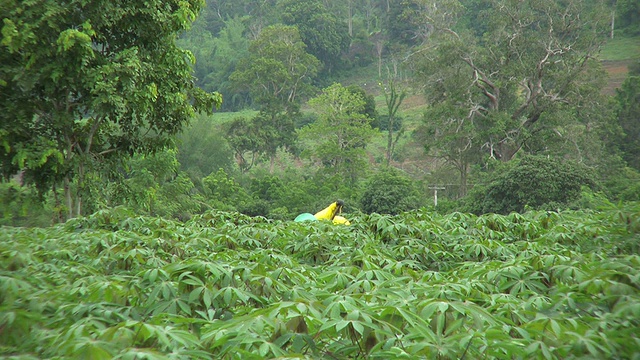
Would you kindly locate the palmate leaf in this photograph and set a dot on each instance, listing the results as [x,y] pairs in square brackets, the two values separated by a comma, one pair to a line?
[166,338]
[336,306]
[335,280]
[12,288]
[179,354]
[173,306]
[92,349]
[590,343]
[230,337]
[139,354]
[17,325]
[391,352]
[537,348]
[229,297]
[449,290]
[500,344]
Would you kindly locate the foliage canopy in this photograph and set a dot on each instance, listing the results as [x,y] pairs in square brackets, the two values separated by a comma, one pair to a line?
[389,192]
[83,82]
[533,181]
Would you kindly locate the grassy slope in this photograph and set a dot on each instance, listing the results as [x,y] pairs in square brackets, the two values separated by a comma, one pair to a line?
[616,56]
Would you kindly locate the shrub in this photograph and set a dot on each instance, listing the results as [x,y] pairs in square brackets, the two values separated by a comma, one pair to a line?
[222,191]
[389,192]
[21,206]
[533,182]
[623,185]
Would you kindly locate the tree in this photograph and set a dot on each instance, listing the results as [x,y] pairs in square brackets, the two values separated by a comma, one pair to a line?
[538,182]
[223,192]
[628,12]
[324,34]
[203,149]
[278,68]
[86,81]
[149,184]
[628,114]
[22,207]
[393,101]
[390,192]
[277,71]
[243,137]
[337,139]
[276,126]
[401,30]
[255,14]
[217,57]
[449,134]
[535,61]
[369,108]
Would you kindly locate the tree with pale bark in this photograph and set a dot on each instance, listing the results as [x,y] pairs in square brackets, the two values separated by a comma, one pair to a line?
[535,63]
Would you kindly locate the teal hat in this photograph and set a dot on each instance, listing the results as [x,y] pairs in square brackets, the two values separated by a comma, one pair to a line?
[305,217]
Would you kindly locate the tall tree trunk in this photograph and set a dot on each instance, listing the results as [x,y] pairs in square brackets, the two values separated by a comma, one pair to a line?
[58,216]
[350,19]
[390,139]
[80,189]
[613,21]
[464,167]
[508,151]
[68,197]
[272,163]
[379,49]
[393,100]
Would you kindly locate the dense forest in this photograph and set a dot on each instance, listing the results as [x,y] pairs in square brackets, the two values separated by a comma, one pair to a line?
[274,108]
[154,155]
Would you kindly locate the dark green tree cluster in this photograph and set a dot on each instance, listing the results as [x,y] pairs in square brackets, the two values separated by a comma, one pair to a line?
[535,182]
[627,14]
[390,192]
[628,113]
[86,83]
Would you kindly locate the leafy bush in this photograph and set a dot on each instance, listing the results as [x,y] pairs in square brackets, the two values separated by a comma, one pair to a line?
[148,184]
[383,123]
[623,185]
[255,207]
[389,192]
[534,182]
[22,206]
[202,149]
[223,192]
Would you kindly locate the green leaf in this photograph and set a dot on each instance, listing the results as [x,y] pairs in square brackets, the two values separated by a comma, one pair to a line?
[357,326]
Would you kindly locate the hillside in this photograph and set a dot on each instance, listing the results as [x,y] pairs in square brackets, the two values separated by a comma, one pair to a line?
[616,57]
[617,71]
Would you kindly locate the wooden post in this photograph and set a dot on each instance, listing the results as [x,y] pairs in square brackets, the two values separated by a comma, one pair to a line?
[435,194]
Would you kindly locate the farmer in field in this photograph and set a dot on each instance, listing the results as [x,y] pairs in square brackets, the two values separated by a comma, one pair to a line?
[331,213]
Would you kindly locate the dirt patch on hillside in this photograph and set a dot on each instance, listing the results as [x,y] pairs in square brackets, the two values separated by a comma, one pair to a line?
[412,101]
[617,72]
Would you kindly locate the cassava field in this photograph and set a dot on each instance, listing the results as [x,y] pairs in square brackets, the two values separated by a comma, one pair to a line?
[542,285]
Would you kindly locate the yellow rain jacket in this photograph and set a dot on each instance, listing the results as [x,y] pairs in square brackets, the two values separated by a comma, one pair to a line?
[330,212]
[339,220]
